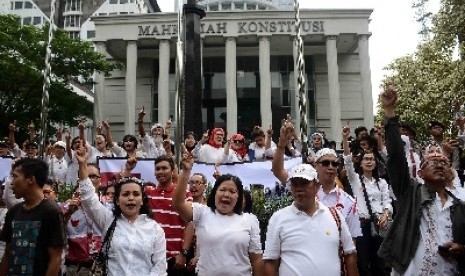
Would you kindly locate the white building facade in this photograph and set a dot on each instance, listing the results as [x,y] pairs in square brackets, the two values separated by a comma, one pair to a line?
[248,69]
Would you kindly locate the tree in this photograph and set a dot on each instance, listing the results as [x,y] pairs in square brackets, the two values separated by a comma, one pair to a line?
[22,55]
[432,79]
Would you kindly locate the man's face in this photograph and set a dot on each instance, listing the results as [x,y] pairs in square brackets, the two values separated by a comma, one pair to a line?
[436,130]
[190,141]
[100,142]
[31,151]
[157,132]
[436,170]
[303,191]
[3,150]
[129,144]
[196,185]
[59,152]
[163,172]
[361,134]
[20,184]
[326,167]
[94,176]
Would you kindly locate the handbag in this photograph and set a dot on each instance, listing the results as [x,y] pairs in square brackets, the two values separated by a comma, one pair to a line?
[99,266]
[375,229]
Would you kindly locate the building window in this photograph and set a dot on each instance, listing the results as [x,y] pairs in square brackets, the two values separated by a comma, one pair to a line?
[113,1]
[226,6]
[213,7]
[90,34]
[28,5]
[18,5]
[27,20]
[37,20]
[123,1]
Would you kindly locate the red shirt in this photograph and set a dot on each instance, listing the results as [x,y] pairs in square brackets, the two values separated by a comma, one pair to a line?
[160,202]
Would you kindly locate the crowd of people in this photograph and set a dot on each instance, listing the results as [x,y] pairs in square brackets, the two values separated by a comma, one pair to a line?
[385,204]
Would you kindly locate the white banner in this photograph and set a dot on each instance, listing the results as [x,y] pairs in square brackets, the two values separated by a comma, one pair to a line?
[5,168]
[250,173]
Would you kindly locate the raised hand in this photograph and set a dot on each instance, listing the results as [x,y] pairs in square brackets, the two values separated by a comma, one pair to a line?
[130,164]
[187,160]
[82,154]
[204,137]
[346,130]
[141,114]
[216,172]
[270,131]
[106,125]
[12,126]
[389,97]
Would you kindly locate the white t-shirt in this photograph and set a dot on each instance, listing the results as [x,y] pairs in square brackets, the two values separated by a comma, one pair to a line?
[306,245]
[225,242]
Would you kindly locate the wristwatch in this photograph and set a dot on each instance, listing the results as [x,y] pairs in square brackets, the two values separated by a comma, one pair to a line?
[184,252]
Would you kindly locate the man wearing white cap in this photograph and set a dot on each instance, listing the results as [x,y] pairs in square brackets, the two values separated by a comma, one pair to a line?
[308,237]
[329,194]
[58,167]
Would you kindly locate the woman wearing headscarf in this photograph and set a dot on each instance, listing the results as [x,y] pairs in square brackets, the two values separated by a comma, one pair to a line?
[213,151]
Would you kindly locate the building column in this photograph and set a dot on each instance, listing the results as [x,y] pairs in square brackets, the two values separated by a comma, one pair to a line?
[365,75]
[131,86]
[334,90]
[99,93]
[265,81]
[231,91]
[163,81]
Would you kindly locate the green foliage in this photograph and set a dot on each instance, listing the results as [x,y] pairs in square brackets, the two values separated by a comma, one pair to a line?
[22,55]
[433,78]
[65,192]
[265,206]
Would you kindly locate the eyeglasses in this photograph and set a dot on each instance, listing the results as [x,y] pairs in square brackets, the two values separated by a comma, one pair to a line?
[94,176]
[436,162]
[76,194]
[238,141]
[198,182]
[325,163]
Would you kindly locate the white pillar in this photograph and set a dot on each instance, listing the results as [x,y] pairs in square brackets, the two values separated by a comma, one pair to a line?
[163,81]
[231,91]
[99,93]
[131,86]
[365,75]
[265,81]
[295,112]
[334,92]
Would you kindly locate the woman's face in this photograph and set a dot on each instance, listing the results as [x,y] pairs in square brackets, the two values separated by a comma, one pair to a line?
[218,137]
[226,197]
[237,144]
[368,162]
[129,144]
[190,141]
[130,200]
[260,141]
[110,193]
[316,141]
[100,142]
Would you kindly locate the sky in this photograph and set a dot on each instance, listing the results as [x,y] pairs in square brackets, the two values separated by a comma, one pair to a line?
[393,27]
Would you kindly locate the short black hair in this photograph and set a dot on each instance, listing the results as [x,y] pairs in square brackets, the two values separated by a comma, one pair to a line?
[240,191]
[360,129]
[165,158]
[33,167]
[129,137]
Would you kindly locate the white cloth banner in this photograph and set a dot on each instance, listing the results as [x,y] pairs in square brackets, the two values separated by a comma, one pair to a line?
[258,172]
[5,168]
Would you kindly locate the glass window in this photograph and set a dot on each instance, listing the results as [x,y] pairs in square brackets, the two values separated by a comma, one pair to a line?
[27,20]
[18,5]
[28,5]
[113,1]
[37,20]
[213,7]
[123,1]
[90,34]
[226,7]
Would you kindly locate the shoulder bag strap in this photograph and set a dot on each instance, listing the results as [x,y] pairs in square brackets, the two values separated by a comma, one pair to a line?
[341,249]
[367,200]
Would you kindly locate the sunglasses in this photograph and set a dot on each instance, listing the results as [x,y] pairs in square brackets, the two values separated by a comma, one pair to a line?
[195,182]
[94,176]
[326,163]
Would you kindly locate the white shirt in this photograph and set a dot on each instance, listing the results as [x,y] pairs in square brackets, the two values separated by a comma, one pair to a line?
[225,241]
[435,230]
[345,204]
[377,191]
[306,245]
[58,168]
[137,248]
[261,153]
[209,154]
[152,149]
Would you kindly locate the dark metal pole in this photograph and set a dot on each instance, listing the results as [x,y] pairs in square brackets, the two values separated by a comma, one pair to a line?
[192,68]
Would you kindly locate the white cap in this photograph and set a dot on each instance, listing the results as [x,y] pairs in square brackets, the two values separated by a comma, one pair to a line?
[60,144]
[305,171]
[324,151]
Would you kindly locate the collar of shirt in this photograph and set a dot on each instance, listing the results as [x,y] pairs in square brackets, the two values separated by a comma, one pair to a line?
[169,189]
[299,212]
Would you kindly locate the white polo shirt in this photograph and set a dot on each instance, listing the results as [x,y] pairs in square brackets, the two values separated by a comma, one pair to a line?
[306,244]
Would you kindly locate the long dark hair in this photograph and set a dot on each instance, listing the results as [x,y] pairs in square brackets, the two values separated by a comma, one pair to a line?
[240,191]
[144,209]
